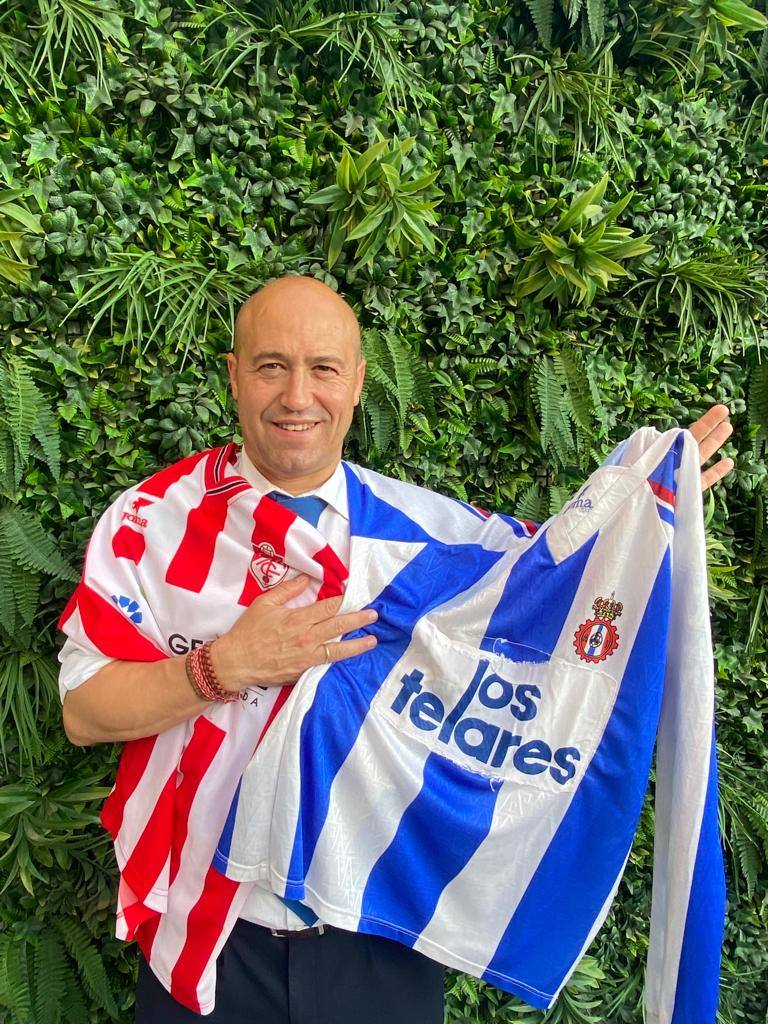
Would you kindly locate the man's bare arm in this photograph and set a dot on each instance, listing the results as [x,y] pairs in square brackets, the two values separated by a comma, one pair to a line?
[126,700]
[268,645]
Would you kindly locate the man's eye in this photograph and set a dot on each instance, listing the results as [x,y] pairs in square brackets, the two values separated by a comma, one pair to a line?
[326,369]
[269,366]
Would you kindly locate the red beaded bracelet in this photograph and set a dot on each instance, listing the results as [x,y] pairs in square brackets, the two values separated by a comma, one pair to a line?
[203,678]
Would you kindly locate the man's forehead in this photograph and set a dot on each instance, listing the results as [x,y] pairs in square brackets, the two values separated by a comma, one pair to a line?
[291,318]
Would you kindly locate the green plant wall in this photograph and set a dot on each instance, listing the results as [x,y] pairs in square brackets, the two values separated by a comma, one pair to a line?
[551,220]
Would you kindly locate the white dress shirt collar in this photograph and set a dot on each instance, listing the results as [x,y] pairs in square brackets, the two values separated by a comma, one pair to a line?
[333,491]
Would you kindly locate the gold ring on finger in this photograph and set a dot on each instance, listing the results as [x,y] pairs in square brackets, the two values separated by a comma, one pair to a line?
[327,650]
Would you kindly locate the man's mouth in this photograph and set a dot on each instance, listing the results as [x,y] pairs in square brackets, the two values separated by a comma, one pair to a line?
[296,426]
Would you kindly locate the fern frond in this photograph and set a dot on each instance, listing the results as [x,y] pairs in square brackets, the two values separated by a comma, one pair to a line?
[457,429]
[758,396]
[22,404]
[556,498]
[572,375]
[73,1007]
[402,371]
[100,400]
[422,394]
[89,962]
[8,571]
[379,376]
[596,19]
[383,424]
[531,504]
[420,421]
[30,546]
[572,9]
[18,986]
[541,12]
[52,977]
[26,590]
[749,857]
[553,407]
[47,434]
[490,68]
[476,366]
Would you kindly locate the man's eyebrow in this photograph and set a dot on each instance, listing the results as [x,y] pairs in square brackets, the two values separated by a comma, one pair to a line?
[258,356]
[267,355]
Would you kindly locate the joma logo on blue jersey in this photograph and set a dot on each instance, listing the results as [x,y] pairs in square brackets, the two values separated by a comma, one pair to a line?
[485,741]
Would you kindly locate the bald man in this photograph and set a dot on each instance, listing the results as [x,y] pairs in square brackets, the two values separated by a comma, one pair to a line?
[296,373]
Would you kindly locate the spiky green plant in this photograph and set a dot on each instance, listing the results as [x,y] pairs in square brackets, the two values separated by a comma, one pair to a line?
[76,31]
[154,296]
[367,40]
[569,97]
[379,204]
[715,296]
[581,253]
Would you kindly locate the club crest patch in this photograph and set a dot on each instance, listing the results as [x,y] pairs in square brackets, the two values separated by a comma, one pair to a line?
[596,639]
[267,567]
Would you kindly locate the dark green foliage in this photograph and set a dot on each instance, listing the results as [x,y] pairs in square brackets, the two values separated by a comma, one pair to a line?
[550,218]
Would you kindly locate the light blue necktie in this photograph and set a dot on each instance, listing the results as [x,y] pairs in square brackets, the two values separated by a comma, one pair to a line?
[309,508]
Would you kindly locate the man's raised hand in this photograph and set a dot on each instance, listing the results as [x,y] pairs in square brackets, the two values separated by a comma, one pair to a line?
[271,644]
[711,431]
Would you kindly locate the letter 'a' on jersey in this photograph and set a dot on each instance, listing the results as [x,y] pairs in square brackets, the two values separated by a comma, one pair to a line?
[471,788]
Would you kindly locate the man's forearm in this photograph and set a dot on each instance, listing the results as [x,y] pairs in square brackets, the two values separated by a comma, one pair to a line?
[126,700]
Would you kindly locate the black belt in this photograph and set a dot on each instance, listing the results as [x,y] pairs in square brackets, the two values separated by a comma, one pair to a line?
[301,933]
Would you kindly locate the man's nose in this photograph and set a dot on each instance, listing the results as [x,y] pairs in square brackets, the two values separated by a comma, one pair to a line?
[297,394]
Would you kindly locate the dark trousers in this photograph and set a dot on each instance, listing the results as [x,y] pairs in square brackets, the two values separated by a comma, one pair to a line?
[336,978]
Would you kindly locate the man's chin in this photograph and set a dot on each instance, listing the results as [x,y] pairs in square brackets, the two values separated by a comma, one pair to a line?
[285,467]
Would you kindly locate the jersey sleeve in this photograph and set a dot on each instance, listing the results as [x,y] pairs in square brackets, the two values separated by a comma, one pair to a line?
[688,901]
[78,664]
[108,614]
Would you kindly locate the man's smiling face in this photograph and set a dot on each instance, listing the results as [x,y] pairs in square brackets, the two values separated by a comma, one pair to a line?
[296,376]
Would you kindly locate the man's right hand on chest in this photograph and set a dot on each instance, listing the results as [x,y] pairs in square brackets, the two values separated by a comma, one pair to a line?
[269,645]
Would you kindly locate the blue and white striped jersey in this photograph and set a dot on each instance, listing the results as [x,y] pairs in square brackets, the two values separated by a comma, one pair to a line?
[472,786]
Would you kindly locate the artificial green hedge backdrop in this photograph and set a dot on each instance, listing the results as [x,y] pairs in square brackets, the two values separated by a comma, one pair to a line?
[551,219]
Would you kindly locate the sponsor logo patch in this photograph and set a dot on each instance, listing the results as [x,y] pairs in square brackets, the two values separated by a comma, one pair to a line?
[130,607]
[580,503]
[136,506]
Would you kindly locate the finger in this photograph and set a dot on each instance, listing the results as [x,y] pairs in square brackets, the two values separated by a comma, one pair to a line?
[711,419]
[318,611]
[716,473]
[346,649]
[286,590]
[714,441]
[338,625]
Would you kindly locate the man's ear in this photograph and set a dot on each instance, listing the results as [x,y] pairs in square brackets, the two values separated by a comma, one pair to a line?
[232,367]
[360,379]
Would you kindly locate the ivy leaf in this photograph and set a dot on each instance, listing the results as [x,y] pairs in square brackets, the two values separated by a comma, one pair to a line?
[41,148]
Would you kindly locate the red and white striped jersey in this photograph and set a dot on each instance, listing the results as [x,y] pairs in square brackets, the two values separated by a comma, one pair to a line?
[173,562]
